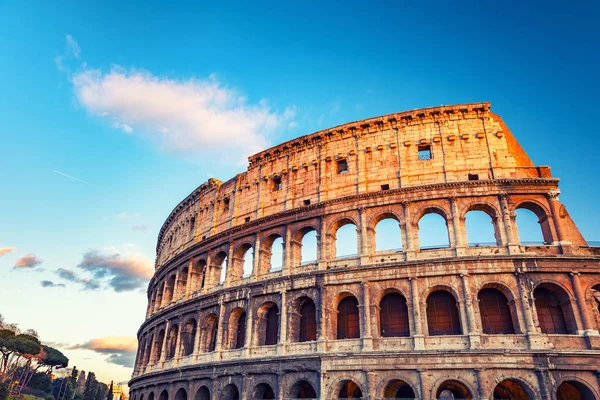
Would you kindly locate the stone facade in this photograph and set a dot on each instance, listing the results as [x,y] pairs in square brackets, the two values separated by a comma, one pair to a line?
[458,321]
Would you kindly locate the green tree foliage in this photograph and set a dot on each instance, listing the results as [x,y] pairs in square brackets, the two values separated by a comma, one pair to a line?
[62,389]
[53,359]
[4,391]
[102,391]
[91,387]
[41,381]
[80,386]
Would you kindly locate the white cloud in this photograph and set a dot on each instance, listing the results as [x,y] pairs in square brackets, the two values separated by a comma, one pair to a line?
[189,116]
[122,272]
[73,46]
[6,250]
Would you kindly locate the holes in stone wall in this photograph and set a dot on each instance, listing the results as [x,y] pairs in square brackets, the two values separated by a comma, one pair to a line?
[346,241]
[424,152]
[388,235]
[342,166]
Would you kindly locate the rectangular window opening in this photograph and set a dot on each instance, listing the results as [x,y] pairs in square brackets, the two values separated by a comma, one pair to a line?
[247,219]
[425,152]
[473,177]
[277,184]
[342,166]
[226,204]
[385,187]
[307,202]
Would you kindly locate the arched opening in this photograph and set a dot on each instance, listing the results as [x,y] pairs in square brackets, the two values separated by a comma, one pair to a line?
[346,240]
[433,230]
[245,255]
[453,390]
[182,283]
[303,390]
[398,389]
[237,328]
[199,275]
[164,395]
[554,312]
[349,390]
[159,296]
[495,313]
[348,323]
[169,288]
[393,315]
[208,340]
[151,396]
[148,351]
[172,342]
[308,246]
[181,394]
[268,324]
[481,228]
[596,298]
[574,390]
[307,329]
[230,392]
[223,271]
[388,235]
[188,336]
[140,353]
[510,389]
[442,314]
[532,224]
[160,339]
[263,391]
[202,394]
[276,259]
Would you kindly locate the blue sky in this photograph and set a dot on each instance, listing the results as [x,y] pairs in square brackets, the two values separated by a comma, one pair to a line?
[109,93]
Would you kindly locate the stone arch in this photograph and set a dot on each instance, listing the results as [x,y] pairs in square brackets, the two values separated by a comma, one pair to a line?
[148,351]
[512,389]
[301,245]
[302,320]
[492,212]
[303,389]
[393,314]
[208,335]
[268,252]
[376,236]
[171,347]
[443,314]
[220,267]
[542,213]
[237,328]
[436,227]
[243,261]
[267,325]
[347,389]
[554,309]
[151,396]
[199,275]
[169,290]
[203,393]
[594,296]
[575,388]
[158,345]
[159,296]
[352,237]
[399,389]
[497,316]
[347,321]
[263,391]
[164,395]
[230,392]
[453,389]
[181,394]
[188,337]
[182,282]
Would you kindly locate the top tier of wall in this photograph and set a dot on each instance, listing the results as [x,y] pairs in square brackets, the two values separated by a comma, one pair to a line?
[466,141]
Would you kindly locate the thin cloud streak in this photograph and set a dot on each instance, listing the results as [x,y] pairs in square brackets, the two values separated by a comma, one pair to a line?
[6,250]
[72,177]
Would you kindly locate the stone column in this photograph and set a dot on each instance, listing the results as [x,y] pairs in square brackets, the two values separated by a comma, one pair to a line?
[586,319]
[418,337]
[460,243]
[321,321]
[246,391]
[280,388]
[526,298]
[367,337]
[474,336]
[408,233]
[190,285]
[481,392]
[163,346]
[256,261]
[249,327]
[363,250]
[322,246]
[513,242]
[230,266]
[178,351]
[175,294]
[544,383]
[424,385]
[283,322]
[555,210]
[371,385]
[287,252]
[220,325]
[197,338]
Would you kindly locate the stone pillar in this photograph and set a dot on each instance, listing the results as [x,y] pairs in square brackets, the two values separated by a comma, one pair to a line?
[163,346]
[230,266]
[322,256]
[287,251]
[197,338]
[458,226]
[209,279]
[408,233]
[190,284]
[555,210]
[283,322]
[586,319]
[544,383]
[175,295]
[246,391]
[371,385]
[526,298]
[424,385]
[220,325]
[481,392]
[280,387]
[367,337]
[474,336]
[249,327]
[513,242]
[363,250]
[256,260]
[178,341]
[164,292]
[321,321]
[418,337]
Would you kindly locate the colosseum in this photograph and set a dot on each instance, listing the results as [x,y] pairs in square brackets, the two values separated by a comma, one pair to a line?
[258,295]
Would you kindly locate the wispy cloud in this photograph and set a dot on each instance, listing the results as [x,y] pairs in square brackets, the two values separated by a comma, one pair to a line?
[122,272]
[28,261]
[72,51]
[47,284]
[125,215]
[188,116]
[71,276]
[120,349]
[141,228]
[6,250]
[72,177]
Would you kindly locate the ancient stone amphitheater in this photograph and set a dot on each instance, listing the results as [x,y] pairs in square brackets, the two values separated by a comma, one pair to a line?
[240,308]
